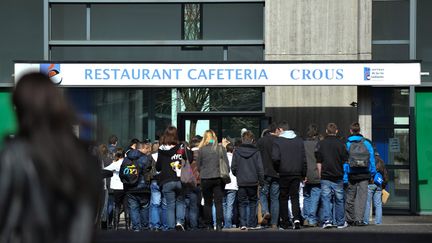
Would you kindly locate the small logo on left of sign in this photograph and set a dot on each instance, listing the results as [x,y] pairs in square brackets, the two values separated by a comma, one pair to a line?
[367,73]
[53,71]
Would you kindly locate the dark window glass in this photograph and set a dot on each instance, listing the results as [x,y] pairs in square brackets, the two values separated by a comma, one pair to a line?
[236,99]
[390,129]
[135,21]
[390,20]
[245,53]
[390,52]
[68,22]
[124,112]
[233,21]
[424,36]
[135,53]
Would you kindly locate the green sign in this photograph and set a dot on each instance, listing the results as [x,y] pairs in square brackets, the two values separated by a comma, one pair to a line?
[7,118]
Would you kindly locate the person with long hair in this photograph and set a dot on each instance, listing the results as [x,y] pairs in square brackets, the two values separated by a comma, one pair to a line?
[212,185]
[375,187]
[170,154]
[50,185]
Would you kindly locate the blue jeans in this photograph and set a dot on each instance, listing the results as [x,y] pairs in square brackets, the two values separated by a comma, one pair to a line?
[191,202]
[311,198]
[327,188]
[157,209]
[228,206]
[174,196]
[374,193]
[271,187]
[138,210]
[248,200]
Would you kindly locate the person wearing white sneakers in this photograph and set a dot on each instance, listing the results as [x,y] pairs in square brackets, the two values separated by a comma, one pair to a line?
[331,155]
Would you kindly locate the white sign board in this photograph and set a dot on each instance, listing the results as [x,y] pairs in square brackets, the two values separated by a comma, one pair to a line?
[225,74]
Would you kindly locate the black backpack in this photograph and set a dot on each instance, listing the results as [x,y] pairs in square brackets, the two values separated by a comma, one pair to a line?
[359,154]
[129,172]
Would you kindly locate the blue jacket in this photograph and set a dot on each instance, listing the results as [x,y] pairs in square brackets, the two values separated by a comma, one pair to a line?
[362,173]
[144,167]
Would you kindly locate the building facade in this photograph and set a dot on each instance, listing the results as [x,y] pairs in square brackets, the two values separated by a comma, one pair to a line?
[145,31]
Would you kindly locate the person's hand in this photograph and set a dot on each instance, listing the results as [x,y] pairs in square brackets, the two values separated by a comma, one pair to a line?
[225,142]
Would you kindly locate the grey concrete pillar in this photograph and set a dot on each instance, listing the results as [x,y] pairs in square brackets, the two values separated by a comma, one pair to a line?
[316,30]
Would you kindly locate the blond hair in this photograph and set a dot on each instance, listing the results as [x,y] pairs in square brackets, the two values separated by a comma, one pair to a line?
[208,135]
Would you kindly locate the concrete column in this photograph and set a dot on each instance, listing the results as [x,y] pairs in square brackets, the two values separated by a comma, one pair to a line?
[316,30]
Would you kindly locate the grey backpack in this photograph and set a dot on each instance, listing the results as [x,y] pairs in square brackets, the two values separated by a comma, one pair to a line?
[358,154]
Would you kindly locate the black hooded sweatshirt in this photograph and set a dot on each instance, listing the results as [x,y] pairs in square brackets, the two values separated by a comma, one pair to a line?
[166,156]
[247,165]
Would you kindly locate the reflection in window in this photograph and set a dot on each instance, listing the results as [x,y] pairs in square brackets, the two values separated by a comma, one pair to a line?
[398,187]
[192,21]
[236,99]
[221,99]
[401,156]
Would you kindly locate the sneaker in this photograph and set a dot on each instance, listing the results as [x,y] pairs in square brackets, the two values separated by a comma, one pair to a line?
[343,226]
[296,224]
[243,228]
[305,222]
[258,227]
[327,225]
[179,227]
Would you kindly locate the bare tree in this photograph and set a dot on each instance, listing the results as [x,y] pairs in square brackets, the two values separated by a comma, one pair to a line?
[194,99]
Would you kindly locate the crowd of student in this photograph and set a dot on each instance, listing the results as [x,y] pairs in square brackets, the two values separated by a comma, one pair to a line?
[336,179]
[50,189]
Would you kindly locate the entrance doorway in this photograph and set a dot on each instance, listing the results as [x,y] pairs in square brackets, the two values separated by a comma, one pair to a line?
[224,124]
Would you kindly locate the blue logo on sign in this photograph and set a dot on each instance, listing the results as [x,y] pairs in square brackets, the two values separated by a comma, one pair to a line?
[52,70]
[367,73]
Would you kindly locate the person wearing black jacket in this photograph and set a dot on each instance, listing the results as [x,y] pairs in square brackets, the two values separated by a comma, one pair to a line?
[331,155]
[290,162]
[170,155]
[247,167]
[138,196]
[270,187]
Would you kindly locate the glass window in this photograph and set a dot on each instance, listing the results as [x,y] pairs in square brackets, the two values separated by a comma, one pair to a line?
[424,36]
[232,126]
[399,147]
[390,122]
[192,26]
[221,99]
[236,99]
[68,22]
[245,53]
[135,53]
[227,21]
[390,52]
[398,187]
[124,112]
[390,20]
[135,21]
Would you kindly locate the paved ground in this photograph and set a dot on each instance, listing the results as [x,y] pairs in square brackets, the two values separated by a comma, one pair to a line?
[395,229]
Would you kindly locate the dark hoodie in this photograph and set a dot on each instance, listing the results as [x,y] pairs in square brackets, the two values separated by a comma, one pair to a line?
[144,167]
[167,155]
[247,165]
